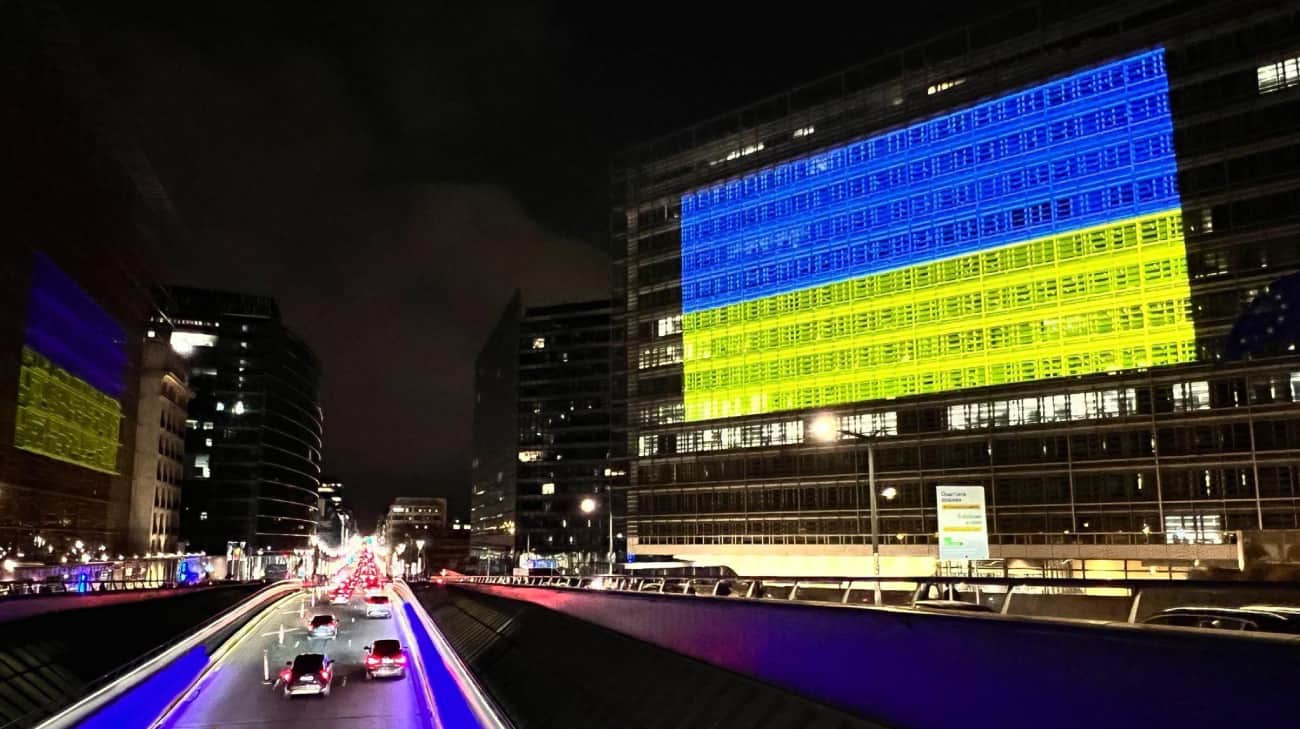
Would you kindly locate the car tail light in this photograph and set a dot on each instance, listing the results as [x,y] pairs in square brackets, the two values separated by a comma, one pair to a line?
[372,661]
[400,659]
[286,675]
[325,674]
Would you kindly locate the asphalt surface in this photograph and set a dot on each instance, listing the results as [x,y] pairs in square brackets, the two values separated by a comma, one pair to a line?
[234,692]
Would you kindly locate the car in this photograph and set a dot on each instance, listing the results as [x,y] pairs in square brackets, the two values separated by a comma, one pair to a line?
[1254,618]
[323,626]
[385,659]
[377,606]
[339,598]
[308,674]
[959,606]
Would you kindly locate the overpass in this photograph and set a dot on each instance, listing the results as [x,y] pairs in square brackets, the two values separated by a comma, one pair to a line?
[518,653]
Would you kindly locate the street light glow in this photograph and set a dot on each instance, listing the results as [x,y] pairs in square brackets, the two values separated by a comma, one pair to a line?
[824,428]
[889,493]
[587,505]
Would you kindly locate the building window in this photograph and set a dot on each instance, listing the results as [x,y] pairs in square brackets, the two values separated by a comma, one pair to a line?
[1193,529]
[668,326]
[1277,76]
[548,489]
[539,342]
[659,355]
[529,456]
[203,516]
[804,131]
[201,465]
[943,86]
[207,442]
[183,343]
[221,407]
[239,407]
[207,425]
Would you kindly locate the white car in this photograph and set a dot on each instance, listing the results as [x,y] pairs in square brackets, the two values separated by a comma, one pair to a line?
[339,598]
[323,626]
[385,659]
[377,606]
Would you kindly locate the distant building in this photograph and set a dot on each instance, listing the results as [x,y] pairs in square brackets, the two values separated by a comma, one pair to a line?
[160,448]
[253,443]
[336,524]
[84,216]
[557,387]
[414,517]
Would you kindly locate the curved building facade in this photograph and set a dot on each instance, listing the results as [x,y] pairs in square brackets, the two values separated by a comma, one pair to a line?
[253,445]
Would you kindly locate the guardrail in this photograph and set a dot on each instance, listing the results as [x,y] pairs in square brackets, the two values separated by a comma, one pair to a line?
[996,593]
[10,589]
[146,687]
[478,705]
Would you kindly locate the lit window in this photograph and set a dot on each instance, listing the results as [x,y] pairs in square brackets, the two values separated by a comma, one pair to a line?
[1193,529]
[548,488]
[804,131]
[207,442]
[239,407]
[203,516]
[243,345]
[207,425]
[1277,76]
[151,334]
[944,86]
[201,466]
[221,407]
[183,343]
[539,342]
[530,456]
[191,423]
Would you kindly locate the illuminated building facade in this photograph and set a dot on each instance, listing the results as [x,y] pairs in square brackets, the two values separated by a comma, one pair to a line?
[1011,256]
[84,218]
[155,515]
[253,435]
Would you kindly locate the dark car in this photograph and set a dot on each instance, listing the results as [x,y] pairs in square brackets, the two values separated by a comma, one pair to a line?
[309,673]
[385,658]
[1254,618]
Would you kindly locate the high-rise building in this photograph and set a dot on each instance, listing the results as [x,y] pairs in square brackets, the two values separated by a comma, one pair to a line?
[84,217]
[414,517]
[154,523]
[1009,257]
[547,464]
[253,437]
[336,524]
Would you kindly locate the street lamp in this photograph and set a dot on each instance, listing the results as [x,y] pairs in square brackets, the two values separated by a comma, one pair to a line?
[588,505]
[826,428]
[419,557]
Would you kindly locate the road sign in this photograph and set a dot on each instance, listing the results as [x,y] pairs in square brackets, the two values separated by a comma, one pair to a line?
[963,529]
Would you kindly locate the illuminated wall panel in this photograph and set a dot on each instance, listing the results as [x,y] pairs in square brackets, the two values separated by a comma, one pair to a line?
[71,378]
[1033,236]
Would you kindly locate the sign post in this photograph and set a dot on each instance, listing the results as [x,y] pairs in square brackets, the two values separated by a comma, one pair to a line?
[963,527]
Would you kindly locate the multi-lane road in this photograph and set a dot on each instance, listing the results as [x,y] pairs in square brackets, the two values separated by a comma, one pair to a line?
[241,688]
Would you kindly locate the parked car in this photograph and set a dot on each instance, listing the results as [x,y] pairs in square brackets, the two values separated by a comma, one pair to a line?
[1255,618]
[309,673]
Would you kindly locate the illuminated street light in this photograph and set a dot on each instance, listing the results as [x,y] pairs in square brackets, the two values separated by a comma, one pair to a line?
[824,428]
[587,505]
[889,493]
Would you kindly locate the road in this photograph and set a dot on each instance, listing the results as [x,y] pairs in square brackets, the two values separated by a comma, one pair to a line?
[234,693]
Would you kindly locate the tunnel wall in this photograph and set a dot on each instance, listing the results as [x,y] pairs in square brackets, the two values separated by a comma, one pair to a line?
[916,670]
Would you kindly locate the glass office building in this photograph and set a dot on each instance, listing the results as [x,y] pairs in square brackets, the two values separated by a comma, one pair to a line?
[1047,254]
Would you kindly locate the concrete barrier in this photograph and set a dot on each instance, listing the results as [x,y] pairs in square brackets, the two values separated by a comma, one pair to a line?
[917,670]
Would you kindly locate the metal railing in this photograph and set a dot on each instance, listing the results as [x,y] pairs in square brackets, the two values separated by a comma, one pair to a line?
[995,593]
[27,588]
[1001,539]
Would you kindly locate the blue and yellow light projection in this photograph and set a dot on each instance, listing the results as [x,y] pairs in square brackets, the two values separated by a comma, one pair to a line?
[1032,236]
[71,378]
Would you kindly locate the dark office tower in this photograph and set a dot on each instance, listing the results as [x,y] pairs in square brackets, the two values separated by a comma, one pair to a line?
[253,441]
[1007,258]
[546,464]
[496,442]
[84,217]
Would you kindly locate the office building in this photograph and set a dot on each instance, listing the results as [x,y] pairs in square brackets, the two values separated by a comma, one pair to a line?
[84,218]
[155,513]
[414,517]
[559,467]
[253,436]
[336,524]
[1009,257]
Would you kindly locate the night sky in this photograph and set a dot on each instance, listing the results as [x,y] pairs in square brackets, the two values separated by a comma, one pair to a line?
[392,172]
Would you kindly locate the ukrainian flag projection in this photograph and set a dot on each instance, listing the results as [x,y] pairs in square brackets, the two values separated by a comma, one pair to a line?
[71,379]
[1032,236]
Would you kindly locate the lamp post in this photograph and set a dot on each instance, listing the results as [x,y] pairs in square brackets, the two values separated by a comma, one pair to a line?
[826,428]
[587,506]
[419,557]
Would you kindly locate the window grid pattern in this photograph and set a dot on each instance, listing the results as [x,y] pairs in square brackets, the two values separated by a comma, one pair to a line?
[1106,299]
[1034,236]
[1087,149]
